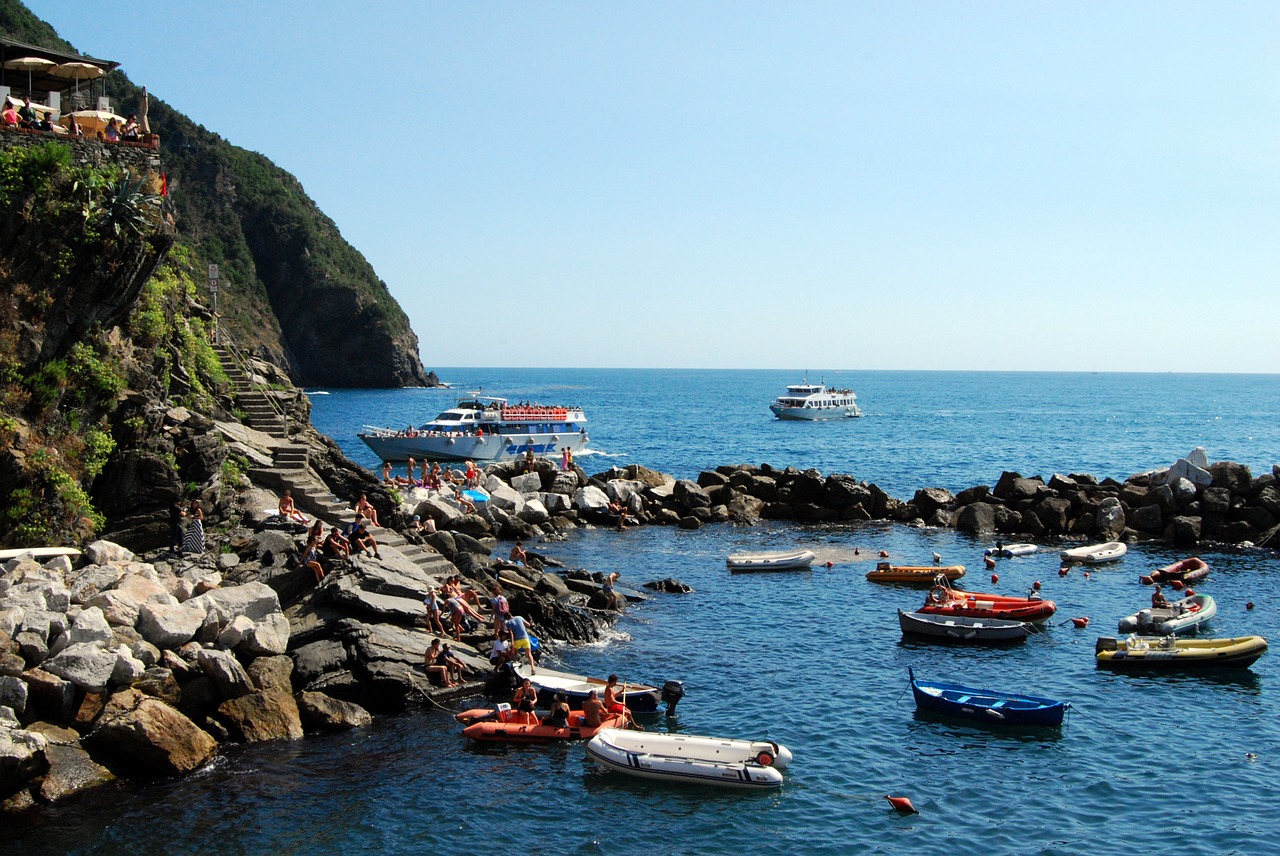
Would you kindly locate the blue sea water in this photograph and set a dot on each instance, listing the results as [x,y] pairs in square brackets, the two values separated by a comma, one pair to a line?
[812,660]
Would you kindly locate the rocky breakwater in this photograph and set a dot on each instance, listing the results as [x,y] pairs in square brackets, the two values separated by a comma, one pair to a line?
[1191,501]
[120,667]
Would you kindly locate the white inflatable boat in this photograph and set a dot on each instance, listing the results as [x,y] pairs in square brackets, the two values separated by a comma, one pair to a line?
[746,764]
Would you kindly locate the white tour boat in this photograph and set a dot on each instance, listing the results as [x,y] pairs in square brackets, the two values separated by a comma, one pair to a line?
[484,429]
[815,401]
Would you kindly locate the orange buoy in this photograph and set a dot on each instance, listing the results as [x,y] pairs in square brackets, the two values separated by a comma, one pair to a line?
[1036,585]
[902,804]
[884,554]
[1086,575]
[1177,585]
[1082,621]
[1146,581]
[1249,605]
[1062,572]
[995,578]
[1191,592]
[831,564]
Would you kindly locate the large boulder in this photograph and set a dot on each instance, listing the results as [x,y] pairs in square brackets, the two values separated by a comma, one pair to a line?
[976,519]
[1110,517]
[22,757]
[1185,469]
[527,484]
[71,770]
[502,495]
[592,499]
[92,580]
[930,500]
[320,712]
[90,626]
[106,553]
[84,664]
[13,694]
[272,673]
[145,734]
[49,696]
[1148,518]
[689,495]
[169,625]
[228,676]
[262,716]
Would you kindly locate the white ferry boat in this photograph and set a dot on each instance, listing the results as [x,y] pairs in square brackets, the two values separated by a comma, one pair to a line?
[815,401]
[482,428]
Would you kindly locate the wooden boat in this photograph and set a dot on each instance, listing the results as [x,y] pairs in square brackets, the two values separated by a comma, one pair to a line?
[961,628]
[943,600]
[1190,570]
[914,574]
[1170,653]
[1010,551]
[792,560]
[504,725]
[1180,616]
[743,764]
[640,698]
[990,707]
[1095,554]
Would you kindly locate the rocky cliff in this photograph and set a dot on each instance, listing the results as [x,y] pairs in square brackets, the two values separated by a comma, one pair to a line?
[288,276]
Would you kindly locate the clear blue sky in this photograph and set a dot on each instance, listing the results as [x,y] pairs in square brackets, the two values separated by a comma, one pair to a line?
[933,185]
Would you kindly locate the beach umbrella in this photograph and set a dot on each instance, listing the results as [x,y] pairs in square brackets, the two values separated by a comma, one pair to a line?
[78,71]
[93,120]
[29,64]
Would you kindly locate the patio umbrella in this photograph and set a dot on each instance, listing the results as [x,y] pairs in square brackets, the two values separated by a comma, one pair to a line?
[91,121]
[77,71]
[29,64]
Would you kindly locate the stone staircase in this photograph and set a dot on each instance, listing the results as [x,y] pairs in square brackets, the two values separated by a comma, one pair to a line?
[259,412]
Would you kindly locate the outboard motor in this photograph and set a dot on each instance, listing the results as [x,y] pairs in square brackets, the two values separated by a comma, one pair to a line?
[672,692]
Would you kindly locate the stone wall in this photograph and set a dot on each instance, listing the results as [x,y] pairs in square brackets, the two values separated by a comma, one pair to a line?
[138,158]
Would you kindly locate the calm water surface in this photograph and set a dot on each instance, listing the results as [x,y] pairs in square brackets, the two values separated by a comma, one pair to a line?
[813,660]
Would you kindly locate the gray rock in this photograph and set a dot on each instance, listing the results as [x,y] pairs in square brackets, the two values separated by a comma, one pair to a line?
[90,627]
[255,600]
[320,712]
[87,665]
[49,697]
[1185,469]
[535,512]
[13,694]
[32,646]
[227,561]
[1110,517]
[22,757]
[1198,457]
[266,637]
[105,553]
[262,716]
[1148,518]
[92,580]
[1184,492]
[527,484]
[555,503]
[11,619]
[592,498]
[71,770]
[228,676]
[44,623]
[234,632]
[272,673]
[118,608]
[345,591]
[128,668]
[318,658]
[690,496]
[976,519]
[168,626]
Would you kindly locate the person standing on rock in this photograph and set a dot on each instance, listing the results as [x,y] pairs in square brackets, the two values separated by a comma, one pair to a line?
[433,604]
[501,609]
[519,630]
[177,521]
[412,464]
[386,472]
[193,541]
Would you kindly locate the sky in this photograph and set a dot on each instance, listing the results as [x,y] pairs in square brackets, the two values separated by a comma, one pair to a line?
[1075,186]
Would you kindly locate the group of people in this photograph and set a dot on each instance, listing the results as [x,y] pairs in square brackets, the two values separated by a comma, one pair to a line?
[186,527]
[594,709]
[512,633]
[26,116]
[339,543]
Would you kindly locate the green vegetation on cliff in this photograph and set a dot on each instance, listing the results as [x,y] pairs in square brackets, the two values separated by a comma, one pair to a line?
[288,277]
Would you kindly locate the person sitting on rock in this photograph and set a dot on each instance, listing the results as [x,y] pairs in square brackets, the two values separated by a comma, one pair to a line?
[335,545]
[465,501]
[361,540]
[501,651]
[518,555]
[455,667]
[364,507]
[289,511]
[311,559]
[435,668]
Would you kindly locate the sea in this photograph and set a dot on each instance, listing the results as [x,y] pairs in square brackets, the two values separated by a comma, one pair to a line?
[813,660]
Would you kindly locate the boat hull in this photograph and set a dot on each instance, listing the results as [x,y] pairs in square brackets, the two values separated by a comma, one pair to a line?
[640,698]
[923,575]
[989,707]
[1182,616]
[395,447]
[1172,654]
[1187,570]
[810,414]
[794,560]
[1095,554]
[961,629]
[740,775]
[506,727]
[991,606]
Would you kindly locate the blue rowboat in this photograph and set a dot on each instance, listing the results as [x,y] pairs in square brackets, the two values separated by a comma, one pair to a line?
[991,707]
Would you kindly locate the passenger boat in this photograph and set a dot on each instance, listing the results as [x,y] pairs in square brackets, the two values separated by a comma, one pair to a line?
[1180,616]
[943,600]
[1171,653]
[743,764]
[1190,570]
[640,698]
[504,725]
[1010,551]
[815,401]
[990,707]
[914,574]
[483,428]
[793,560]
[961,628]
[1095,554]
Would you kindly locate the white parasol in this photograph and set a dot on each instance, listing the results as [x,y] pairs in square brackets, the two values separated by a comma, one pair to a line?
[78,71]
[29,64]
